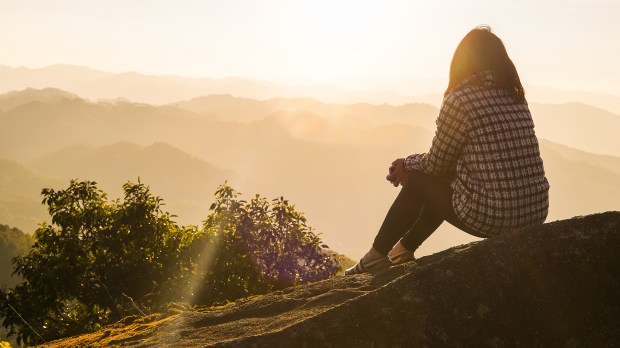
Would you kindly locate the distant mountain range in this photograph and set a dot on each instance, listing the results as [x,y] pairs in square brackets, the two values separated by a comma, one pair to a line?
[96,84]
[157,90]
[329,159]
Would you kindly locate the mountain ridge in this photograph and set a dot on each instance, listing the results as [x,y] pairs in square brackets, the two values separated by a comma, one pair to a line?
[162,89]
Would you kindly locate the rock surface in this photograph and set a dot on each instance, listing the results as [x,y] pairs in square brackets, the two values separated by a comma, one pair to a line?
[553,285]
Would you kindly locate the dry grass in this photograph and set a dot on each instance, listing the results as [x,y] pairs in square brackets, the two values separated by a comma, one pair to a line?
[127,331]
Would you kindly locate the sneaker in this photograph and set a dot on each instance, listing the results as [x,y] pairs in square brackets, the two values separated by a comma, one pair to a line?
[369,267]
[399,254]
[403,257]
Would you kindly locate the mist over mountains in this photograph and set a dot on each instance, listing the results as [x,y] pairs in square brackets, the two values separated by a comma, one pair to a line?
[96,84]
[329,159]
[158,90]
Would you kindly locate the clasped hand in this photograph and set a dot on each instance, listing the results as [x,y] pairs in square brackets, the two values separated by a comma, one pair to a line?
[397,174]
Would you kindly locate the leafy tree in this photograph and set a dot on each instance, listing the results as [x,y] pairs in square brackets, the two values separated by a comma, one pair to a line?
[97,262]
[259,246]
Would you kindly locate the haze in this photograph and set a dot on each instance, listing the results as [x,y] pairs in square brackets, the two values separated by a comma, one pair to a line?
[402,46]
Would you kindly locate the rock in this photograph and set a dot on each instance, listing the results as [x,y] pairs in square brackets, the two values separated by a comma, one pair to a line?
[552,285]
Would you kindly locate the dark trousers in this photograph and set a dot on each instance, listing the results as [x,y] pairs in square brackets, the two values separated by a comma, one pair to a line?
[420,208]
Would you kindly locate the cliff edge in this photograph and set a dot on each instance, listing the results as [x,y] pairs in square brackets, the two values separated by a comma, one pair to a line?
[553,285]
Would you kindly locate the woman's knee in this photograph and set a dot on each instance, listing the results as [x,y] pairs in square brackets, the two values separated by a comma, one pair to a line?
[420,183]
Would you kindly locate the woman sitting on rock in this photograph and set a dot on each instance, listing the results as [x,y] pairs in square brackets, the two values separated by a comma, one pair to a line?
[483,172]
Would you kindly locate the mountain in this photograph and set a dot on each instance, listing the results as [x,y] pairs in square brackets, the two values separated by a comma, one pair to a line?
[544,95]
[20,195]
[580,184]
[95,84]
[14,99]
[578,125]
[184,182]
[40,127]
[603,161]
[229,108]
[539,287]
[13,242]
[549,95]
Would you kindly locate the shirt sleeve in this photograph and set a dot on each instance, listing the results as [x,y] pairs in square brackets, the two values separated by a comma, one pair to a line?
[450,137]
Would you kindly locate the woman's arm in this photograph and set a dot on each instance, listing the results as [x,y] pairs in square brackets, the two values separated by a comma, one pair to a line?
[450,137]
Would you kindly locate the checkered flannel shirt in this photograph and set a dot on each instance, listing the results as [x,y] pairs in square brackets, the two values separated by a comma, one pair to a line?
[485,143]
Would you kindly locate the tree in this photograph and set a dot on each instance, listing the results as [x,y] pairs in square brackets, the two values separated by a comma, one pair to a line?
[259,246]
[96,262]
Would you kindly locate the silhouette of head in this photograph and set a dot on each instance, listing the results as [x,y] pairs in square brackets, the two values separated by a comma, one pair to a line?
[482,50]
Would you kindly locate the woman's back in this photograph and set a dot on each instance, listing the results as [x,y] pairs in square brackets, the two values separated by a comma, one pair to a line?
[499,172]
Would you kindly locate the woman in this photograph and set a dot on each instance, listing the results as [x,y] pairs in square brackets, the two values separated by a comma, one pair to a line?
[483,172]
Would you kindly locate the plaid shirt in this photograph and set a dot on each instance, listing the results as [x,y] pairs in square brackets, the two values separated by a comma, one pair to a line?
[485,143]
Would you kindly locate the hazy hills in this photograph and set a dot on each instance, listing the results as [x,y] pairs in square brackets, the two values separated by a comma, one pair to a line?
[14,99]
[184,181]
[95,84]
[230,108]
[20,200]
[605,161]
[559,96]
[39,127]
[329,159]
[579,125]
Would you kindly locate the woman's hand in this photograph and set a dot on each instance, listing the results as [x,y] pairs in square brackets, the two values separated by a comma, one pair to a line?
[397,174]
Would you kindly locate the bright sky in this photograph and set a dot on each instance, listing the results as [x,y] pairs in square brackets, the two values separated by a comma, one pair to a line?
[360,44]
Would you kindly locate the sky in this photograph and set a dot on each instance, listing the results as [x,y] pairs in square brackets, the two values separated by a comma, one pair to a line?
[403,46]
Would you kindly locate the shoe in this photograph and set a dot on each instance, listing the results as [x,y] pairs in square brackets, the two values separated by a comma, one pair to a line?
[399,254]
[370,267]
[403,257]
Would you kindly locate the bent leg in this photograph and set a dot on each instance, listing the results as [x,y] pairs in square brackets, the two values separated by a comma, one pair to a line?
[437,196]
[418,210]
[400,217]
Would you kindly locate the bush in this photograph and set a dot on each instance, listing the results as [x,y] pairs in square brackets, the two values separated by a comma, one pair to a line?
[259,246]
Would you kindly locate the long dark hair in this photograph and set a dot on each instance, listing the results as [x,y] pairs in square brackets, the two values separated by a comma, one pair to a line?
[482,50]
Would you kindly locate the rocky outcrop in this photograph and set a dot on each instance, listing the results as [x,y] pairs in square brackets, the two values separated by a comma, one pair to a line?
[553,285]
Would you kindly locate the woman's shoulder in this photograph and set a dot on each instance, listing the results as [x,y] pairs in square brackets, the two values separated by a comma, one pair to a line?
[482,88]
[459,97]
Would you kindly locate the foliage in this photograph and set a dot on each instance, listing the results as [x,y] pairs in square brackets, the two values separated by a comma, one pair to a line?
[99,260]
[93,258]
[13,242]
[259,246]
